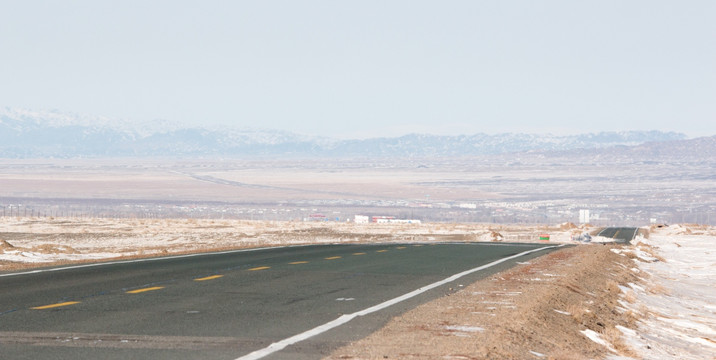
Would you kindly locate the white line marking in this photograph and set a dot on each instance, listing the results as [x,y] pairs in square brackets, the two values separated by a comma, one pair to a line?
[145,260]
[280,345]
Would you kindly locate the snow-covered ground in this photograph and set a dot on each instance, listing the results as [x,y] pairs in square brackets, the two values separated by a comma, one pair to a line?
[678,298]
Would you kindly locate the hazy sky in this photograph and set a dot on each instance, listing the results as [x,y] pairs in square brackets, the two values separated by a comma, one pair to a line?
[369,68]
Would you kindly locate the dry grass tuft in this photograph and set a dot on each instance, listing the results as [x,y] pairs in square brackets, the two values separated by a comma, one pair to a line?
[658,289]
[630,297]
[652,251]
[578,311]
[612,287]
[613,336]
[4,245]
[631,317]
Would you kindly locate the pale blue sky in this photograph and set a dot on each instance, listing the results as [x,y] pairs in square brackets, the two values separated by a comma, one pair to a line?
[369,68]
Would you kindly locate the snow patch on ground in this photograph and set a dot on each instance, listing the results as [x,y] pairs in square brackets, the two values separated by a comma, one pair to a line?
[597,338]
[37,257]
[680,295]
[468,329]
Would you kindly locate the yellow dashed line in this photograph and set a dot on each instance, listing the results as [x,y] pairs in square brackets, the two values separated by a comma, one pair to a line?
[359,253]
[55,305]
[400,247]
[417,245]
[298,262]
[145,290]
[333,257]
[260,268]
[209,278]
[382,250]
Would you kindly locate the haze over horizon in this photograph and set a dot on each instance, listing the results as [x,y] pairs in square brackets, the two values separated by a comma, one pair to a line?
[53,118]
[369,69]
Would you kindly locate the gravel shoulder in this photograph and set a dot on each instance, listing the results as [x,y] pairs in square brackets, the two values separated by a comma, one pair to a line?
[563,305]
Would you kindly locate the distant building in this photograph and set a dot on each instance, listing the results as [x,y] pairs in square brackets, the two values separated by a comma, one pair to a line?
[362,219]
[403,221]
[584,216]
[393,220]
[316,217]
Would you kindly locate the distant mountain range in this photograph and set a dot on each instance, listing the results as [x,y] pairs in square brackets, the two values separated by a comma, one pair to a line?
[35,134]
[695,150]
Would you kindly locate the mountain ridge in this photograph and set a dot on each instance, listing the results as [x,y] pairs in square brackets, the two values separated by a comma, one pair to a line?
[26,134]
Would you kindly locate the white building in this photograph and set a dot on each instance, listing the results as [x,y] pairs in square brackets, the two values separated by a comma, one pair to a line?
[583,216]
[362,219]
[398,221]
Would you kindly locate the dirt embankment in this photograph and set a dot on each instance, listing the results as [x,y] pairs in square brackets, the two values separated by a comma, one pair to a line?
[558,306]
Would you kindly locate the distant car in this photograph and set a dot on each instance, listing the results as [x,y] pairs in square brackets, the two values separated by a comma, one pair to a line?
[585,237]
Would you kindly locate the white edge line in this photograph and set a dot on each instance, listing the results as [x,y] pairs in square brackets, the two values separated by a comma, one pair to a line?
[144,260]
[280,345]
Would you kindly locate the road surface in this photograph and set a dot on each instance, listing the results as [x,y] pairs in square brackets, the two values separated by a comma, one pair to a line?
[619,234]
[231,305]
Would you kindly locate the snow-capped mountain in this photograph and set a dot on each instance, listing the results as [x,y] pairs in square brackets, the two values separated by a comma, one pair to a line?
[26,133]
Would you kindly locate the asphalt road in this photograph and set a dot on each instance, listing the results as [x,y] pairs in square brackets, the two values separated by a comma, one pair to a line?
[228,305]
[620,234]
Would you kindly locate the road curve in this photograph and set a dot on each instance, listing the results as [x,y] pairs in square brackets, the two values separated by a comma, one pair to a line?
[619,234]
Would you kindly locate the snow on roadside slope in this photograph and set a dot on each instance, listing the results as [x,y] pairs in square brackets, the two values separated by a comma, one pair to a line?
[40,257]
[679,300]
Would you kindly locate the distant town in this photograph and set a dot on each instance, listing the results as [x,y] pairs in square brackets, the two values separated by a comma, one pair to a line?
[379,212]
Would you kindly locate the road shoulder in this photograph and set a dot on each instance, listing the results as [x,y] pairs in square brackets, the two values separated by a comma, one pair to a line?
[563,305]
